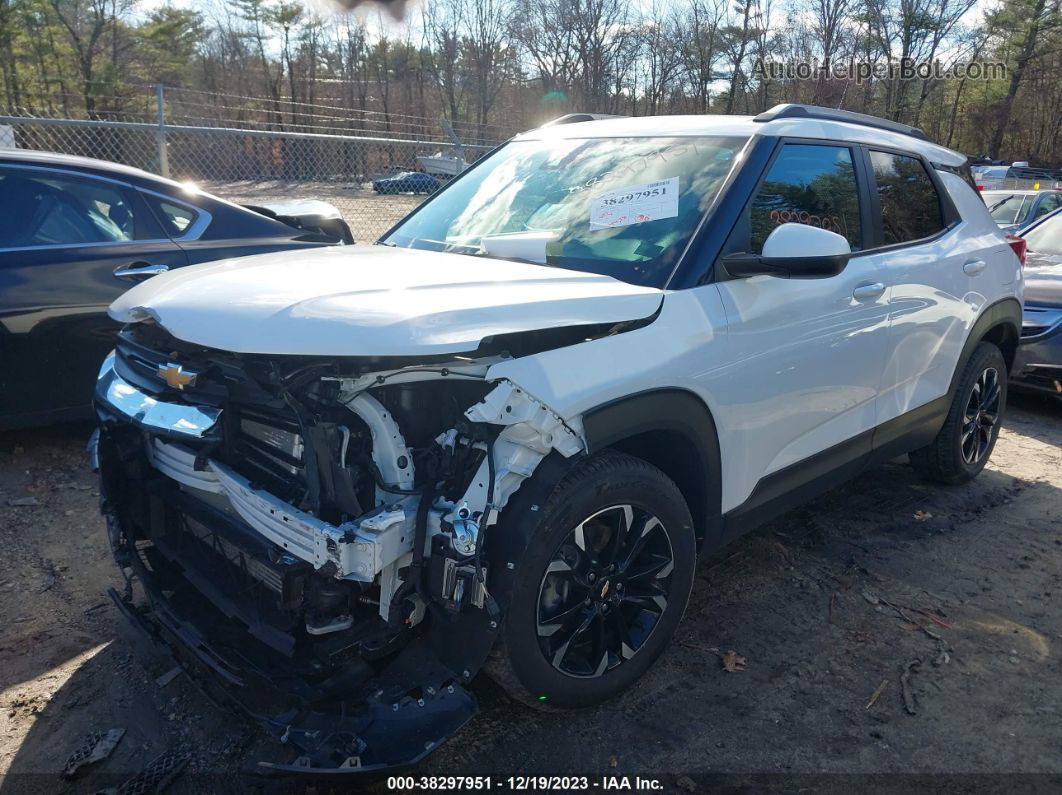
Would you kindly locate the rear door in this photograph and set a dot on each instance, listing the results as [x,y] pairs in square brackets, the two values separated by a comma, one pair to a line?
[63,236]
[933,267]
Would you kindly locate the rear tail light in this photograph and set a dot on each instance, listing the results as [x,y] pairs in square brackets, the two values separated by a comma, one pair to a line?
[980,187]
[1020,247]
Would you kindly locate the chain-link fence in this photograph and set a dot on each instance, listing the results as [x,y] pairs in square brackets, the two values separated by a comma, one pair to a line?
[1024,183]
[372,180]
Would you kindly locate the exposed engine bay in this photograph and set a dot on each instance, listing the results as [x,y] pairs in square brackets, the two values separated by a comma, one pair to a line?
[318,532]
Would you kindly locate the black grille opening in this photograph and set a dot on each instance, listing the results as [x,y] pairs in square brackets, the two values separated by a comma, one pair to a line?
[267,448]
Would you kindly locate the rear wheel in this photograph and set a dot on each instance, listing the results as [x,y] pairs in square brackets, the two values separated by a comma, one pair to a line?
[602,587]
[965,442]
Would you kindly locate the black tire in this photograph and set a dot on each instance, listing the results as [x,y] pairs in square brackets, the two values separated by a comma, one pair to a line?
[964,444]
[625,622]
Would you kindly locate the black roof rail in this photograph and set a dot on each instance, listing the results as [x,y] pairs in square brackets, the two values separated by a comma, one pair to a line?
[573,118]
[793,111]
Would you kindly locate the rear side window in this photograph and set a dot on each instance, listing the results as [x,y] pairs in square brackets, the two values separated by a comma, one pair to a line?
[42,209]
[910,204]
[808,184]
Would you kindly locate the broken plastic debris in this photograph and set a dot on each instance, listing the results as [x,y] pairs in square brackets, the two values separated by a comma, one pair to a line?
[98,745]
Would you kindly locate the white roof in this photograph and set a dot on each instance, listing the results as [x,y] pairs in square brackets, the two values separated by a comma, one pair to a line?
[1005,192]
[745,127]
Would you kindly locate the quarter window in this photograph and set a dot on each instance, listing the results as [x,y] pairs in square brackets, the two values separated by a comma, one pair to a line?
[40,209]
[176,217]
[910,204]
[808,184]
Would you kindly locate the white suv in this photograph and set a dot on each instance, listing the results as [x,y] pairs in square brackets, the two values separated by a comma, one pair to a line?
[352,477]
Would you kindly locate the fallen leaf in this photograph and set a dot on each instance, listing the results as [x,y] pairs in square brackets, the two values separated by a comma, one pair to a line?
[921,516]
[613,760]
[733,662]
[877,693]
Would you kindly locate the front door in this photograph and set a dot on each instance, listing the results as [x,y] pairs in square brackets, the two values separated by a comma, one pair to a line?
[806,355]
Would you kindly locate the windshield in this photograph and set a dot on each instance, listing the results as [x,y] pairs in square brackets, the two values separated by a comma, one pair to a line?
[623,207]
[1007,209]
[1046,237]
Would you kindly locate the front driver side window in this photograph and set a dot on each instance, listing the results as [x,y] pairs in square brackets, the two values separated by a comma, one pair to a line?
[808,184]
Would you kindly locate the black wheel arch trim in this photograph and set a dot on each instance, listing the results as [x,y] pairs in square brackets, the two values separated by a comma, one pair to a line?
[673,429]
[1004,314]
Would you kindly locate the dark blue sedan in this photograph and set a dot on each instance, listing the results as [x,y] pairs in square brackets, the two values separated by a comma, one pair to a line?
[407,182]
[1038,365]
[74,234]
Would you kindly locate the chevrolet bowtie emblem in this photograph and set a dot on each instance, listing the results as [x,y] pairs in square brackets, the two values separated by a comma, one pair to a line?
[176,376]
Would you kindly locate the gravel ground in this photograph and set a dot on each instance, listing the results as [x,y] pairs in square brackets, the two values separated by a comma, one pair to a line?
[829,606]
[368,214]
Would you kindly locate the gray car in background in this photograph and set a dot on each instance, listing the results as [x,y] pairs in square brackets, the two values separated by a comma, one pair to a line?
[1038,365]
[1015,210]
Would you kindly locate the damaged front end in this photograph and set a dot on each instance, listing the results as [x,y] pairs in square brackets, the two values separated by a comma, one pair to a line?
[316,534]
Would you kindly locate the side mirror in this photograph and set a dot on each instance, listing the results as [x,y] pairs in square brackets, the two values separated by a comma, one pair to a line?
[796,251]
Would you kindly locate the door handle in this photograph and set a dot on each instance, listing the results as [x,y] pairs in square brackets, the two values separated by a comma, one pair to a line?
[135,271]
[868,292]
[974,267]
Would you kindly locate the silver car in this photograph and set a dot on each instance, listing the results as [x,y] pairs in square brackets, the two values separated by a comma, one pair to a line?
[1015,210]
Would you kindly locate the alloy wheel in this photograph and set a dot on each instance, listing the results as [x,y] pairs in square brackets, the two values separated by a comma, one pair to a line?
[604,591]
[980,416]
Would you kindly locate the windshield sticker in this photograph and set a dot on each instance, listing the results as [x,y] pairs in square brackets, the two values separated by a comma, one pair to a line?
[635,204]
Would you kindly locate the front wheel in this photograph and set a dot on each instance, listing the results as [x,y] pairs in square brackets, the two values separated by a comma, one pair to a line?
[602,587]
[965,442]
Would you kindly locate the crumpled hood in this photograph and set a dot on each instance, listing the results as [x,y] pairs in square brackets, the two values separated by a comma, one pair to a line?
[1043,279]
[373,301]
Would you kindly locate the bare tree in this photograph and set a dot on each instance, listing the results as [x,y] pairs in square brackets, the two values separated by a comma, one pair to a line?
[829,16]
[737,37]
[701,46]
[581,47]
[443,20]
[661,59]
[486,28]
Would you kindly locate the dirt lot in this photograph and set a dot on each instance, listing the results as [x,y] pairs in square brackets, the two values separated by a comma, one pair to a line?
[828,606]
[368,214]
